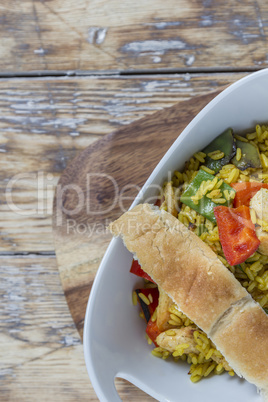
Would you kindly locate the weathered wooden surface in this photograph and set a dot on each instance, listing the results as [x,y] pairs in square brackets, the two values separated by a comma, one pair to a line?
[44,123]
[114,36]
[108,174]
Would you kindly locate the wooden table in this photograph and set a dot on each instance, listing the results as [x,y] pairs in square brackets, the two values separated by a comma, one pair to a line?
[72,72]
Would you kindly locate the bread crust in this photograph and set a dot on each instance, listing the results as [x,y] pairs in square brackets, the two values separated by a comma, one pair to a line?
[243,337]
[202,287]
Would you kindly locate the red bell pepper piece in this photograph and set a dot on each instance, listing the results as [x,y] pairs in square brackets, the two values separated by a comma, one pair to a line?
[137,270]
[237,233]
[245,191]
[148,310]
[159,202]
[152,331]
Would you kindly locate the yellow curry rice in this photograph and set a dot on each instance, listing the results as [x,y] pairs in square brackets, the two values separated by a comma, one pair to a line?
[252,274]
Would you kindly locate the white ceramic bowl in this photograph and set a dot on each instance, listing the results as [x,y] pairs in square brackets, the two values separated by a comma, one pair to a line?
[114,334]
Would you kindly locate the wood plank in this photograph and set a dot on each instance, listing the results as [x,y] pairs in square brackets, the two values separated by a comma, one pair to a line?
[44,123]
[119,36]
[41,354]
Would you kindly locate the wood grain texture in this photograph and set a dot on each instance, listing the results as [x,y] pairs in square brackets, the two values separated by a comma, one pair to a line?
[42,357]
[44,123]
[111,36]
[99,185]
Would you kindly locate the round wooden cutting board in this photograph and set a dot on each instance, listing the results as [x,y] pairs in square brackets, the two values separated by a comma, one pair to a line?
[98,184]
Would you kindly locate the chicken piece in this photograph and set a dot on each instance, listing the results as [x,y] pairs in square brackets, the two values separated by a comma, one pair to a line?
[263,237]
[162,312]
[185,335]
[259,202]
[170,199]
[182,335]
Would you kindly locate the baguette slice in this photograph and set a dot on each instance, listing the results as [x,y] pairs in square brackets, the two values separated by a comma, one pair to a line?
[201,286]
[180,263]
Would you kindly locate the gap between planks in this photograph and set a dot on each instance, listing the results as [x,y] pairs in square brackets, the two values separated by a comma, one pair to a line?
[110,73]
[28,254]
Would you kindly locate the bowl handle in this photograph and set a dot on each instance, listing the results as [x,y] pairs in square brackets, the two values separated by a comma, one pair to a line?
[108,392]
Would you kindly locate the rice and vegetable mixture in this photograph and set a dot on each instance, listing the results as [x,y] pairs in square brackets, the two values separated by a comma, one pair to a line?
[212,178]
